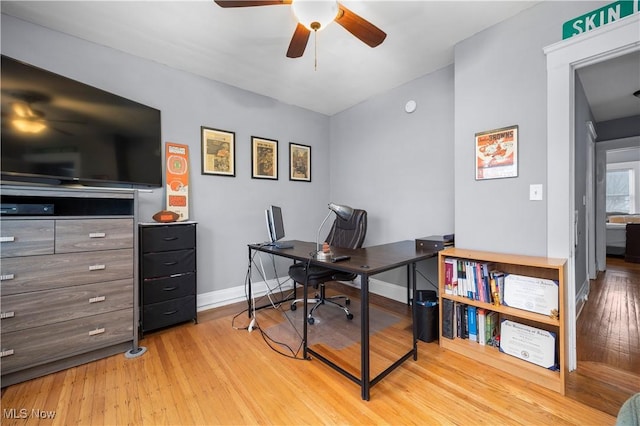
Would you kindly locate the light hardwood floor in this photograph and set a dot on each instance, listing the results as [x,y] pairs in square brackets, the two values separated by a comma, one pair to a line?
[608,339]
[211,373]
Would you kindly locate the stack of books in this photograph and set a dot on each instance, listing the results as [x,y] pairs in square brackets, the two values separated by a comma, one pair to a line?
[469,322]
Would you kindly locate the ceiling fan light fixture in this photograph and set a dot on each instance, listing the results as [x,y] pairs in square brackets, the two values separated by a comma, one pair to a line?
[315,14]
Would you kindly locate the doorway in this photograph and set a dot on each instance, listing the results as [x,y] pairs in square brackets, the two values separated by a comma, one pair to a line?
[563,60]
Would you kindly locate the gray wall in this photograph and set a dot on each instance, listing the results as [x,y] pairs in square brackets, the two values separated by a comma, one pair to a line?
[230,211]
[397,166]
[408,170]
[582,116]
[500,80]
[618,129]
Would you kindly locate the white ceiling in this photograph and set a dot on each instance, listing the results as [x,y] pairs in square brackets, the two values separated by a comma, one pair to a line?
[245,47]
[609,87]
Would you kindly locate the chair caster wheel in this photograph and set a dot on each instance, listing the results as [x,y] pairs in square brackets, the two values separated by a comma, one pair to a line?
[293,307]
[347,301]
[311,320]
[349,316]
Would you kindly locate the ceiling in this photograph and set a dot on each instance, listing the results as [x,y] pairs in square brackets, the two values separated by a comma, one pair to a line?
[609,87]
[246,47]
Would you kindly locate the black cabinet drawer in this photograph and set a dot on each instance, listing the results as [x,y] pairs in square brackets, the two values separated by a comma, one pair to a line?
[167,313]
[163,289]
[168,263]
[168,237]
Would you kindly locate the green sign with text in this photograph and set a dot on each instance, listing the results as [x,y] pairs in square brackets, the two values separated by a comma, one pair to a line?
[599,17]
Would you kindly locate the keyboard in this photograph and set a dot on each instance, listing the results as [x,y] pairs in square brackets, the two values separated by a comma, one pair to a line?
[283,245]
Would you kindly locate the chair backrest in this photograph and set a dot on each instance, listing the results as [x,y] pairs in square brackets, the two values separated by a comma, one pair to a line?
[349,233]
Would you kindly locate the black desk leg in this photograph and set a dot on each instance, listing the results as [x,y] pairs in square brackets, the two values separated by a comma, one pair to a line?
[409,285]
[364,330]
[249,300]
[413,310]
[305,296]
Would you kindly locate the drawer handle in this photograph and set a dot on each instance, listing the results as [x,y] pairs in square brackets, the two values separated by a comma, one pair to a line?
[169,288]
[7,239]
[96,331]
[97,299]
[170,263]
[6,352]
[170,238]
[7,277]
[170,312]
[4,315]
[97,267]
[97,235]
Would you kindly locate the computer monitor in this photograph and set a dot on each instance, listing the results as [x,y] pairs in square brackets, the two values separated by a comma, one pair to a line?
[275,227]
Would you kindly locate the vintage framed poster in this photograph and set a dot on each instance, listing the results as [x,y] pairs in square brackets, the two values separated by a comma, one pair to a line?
[177,179]
[497,153]
[299,162]
[218,152]
[264,158]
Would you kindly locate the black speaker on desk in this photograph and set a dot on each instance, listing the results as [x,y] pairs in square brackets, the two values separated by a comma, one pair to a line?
[435,242]
[426,306]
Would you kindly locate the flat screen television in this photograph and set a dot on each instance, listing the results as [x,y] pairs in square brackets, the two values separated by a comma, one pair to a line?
[56,130]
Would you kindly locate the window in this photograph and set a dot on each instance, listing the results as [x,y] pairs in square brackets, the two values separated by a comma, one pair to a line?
[620,190]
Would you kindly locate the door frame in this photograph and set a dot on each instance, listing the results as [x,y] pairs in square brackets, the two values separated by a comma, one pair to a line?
[563,58]
[590,207]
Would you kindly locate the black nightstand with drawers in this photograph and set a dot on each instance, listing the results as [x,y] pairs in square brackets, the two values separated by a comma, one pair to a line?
[167,274]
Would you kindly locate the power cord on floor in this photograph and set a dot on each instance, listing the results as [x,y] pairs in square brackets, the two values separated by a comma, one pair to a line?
[253,324]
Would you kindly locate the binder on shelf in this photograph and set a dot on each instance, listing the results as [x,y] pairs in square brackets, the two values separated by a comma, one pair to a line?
[447,319]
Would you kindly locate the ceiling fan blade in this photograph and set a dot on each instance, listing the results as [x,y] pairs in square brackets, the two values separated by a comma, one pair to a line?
[298,41]
[250,3]
[360,27]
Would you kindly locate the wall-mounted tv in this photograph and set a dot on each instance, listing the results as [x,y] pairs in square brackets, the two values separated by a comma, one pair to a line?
[56,130]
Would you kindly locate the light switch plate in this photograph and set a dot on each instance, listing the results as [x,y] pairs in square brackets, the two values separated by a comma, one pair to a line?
[535,192]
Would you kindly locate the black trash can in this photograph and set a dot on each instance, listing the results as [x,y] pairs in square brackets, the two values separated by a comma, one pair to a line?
[426,317]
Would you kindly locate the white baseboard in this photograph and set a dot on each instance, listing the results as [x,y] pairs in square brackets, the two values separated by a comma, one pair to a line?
[582,296]
[228,296]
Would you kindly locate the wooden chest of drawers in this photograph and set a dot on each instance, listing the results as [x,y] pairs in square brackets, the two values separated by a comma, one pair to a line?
[67,284]
[167,274]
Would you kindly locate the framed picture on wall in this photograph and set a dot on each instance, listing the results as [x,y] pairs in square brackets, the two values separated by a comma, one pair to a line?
[218,152]
[264,158]
[497,153]
[299,162]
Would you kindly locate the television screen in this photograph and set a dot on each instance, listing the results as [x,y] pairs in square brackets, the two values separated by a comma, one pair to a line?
[57,130]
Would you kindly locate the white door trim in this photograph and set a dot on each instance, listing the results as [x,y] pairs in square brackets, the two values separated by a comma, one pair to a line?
[563,58]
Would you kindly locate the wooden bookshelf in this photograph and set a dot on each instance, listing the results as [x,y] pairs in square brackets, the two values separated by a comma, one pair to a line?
[539,267]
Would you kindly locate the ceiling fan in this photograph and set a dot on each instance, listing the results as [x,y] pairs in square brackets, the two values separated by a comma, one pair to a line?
[314,15]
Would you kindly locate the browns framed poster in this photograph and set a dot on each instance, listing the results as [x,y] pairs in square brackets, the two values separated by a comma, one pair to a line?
[177,179]
[497,153]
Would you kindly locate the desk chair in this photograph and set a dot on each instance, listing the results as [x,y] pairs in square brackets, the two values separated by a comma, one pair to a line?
[346,234]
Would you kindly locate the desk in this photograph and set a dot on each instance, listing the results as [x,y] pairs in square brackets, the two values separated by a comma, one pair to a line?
[364,262]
